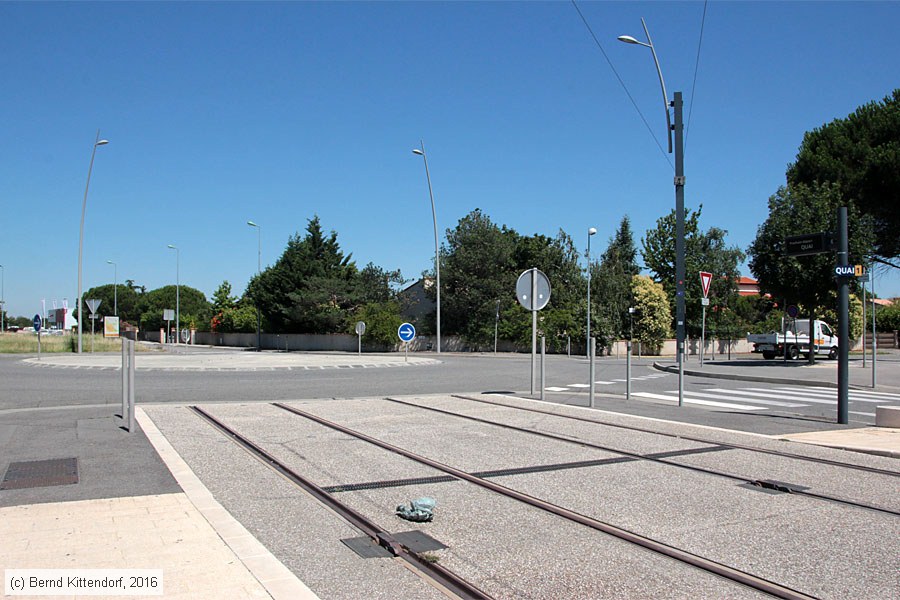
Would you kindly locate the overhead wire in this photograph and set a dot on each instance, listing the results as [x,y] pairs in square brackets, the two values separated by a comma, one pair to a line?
[696,69]
[622,83]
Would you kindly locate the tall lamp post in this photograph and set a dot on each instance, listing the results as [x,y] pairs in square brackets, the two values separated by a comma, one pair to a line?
[258,271]
[2,296]
[177,291]
[97,142]
[678,128]
[115,287]
[437,255]
[591,232]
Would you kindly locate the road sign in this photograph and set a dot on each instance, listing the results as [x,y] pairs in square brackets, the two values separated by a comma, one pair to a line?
[185,336]
[524,290]
[37,322]
[705,279]
[92,305]
[704,301]
[793,311]
[406,332]
[845,271]
[168,314]
[802,245]
[360,328]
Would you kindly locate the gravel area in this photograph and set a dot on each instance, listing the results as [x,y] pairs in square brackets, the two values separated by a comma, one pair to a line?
[858,486]
[293,526]
[509,549]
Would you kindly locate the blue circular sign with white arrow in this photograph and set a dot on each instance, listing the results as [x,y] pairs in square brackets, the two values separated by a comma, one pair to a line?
[406,332]
[37,322]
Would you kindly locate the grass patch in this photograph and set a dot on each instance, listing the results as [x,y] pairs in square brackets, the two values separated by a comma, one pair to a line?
[27,343]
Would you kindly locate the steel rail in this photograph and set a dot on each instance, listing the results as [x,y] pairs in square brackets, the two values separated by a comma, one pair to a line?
[724,571]
[441,576]
[761,483]
[824,461]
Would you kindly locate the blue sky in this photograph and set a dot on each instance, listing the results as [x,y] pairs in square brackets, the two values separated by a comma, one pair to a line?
[220,113]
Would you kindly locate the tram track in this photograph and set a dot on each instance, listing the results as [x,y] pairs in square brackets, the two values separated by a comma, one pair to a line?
[766,484]
[792,455]
[738,576]
[438,575]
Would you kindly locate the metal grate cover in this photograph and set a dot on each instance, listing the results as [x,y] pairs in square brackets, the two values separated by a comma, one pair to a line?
[40,473]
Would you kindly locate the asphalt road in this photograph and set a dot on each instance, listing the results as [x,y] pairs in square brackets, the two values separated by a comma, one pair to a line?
[758,407]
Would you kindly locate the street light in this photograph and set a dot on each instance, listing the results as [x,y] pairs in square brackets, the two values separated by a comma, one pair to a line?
[97,142]
[3,296]
[115,287]
[258,271]
[437,254]
[177,291]
[678,128]
[591,232]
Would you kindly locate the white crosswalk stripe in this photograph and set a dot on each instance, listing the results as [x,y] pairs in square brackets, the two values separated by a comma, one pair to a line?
[673,397]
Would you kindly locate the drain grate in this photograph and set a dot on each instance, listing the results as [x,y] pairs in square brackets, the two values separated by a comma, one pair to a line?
[416,542]
[40,473]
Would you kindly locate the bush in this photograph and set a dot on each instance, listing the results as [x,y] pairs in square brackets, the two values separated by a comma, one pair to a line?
[887,318]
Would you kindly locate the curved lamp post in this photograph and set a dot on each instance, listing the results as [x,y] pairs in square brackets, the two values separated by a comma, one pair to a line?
[177,291]
[678,128]
[591,232]
[258,271]
[97,142]
[115,287]
[437,254]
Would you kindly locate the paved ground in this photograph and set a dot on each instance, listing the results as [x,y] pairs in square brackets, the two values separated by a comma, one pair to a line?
[115,465]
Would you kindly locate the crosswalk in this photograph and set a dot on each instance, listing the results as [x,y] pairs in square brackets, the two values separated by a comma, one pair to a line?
[777,398]
[583,386]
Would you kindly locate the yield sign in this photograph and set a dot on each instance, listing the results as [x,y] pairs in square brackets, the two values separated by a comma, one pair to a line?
[705,279]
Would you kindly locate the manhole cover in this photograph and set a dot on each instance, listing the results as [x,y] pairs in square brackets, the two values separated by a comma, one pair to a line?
[40,473]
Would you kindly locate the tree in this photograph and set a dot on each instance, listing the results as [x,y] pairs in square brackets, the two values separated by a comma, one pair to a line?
[703,252]
[807,281]
[382,320]
[310,288]
[652,318]
[195,310]
[222,298]
[860,156]
[478,269]
[126,296]
[611,285]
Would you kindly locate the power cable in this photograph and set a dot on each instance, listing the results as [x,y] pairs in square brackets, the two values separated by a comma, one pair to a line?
[696,68]
[624,87]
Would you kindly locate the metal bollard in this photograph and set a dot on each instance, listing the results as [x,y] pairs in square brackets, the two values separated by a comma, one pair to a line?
[592,352]
[543,365]
[628,371]
[130,386]
[124,378]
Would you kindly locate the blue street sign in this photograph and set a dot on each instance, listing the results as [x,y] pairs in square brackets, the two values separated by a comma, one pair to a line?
[406,332]
[37,322]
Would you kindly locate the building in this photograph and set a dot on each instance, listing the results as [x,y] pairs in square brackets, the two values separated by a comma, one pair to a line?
[748,286]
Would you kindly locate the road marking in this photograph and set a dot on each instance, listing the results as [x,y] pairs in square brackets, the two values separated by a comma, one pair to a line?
[829,393]
[700,402]
[763,400]
[580,385]
[556,389]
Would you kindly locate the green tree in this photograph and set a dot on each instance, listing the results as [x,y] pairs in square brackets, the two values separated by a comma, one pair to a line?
[310,288]
[222,298]
[194,309]
[860,156]
[652,318]
[611,285]
[703,252]
[382,320]
[807,281]
[477,269]
[127,297]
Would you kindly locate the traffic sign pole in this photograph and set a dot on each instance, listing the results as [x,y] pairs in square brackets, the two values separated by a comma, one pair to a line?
[533,325]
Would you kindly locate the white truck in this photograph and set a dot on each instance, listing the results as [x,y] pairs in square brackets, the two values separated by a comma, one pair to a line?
[795,340]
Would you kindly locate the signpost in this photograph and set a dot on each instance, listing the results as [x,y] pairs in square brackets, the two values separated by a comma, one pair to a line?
[111,327]
[406,333]
[806,244]
[37,328]
[93,305]
[533,293]
[360,330]
[168,315]
[705,280]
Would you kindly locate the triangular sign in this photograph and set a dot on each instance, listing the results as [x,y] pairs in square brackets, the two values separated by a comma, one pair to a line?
[705,279]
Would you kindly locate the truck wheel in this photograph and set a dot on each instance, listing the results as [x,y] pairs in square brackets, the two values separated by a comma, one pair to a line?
[768,355]
[833,353]
[793,353]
